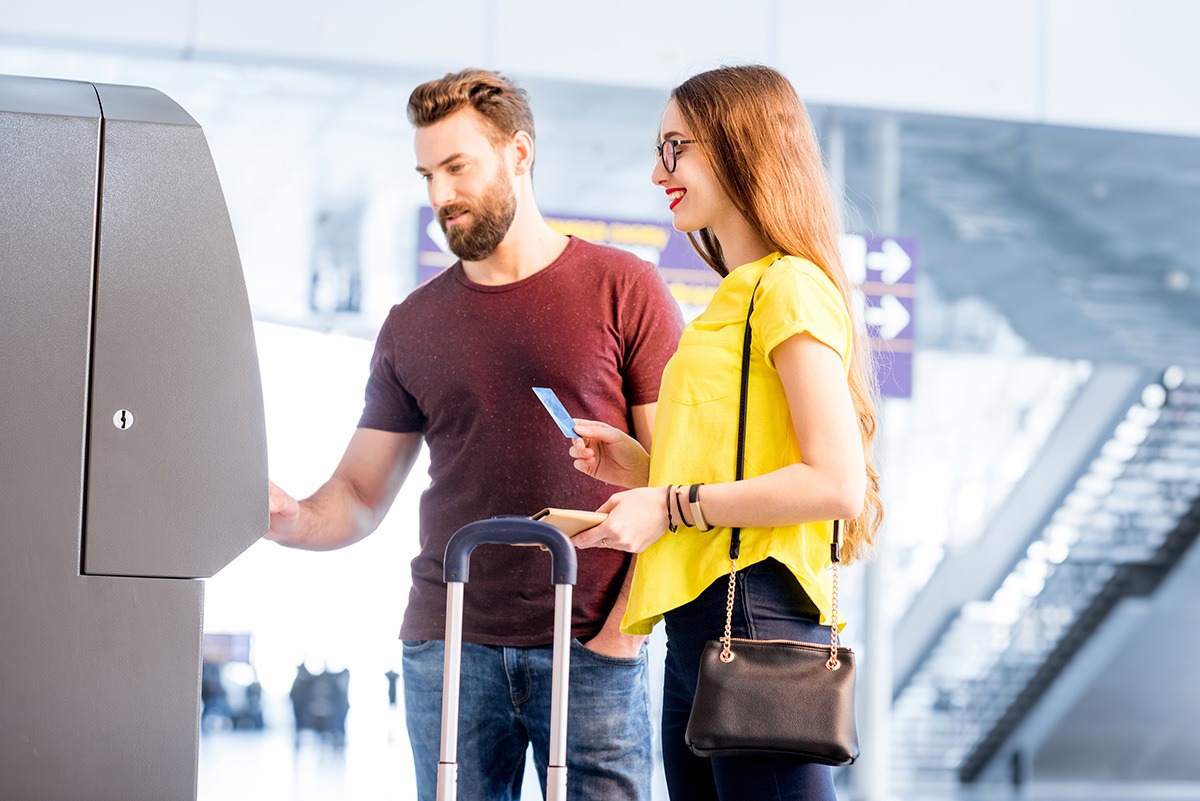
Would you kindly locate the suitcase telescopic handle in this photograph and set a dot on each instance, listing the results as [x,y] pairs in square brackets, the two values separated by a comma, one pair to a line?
[510,530]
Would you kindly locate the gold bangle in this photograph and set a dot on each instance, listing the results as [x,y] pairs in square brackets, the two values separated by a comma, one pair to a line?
[694,502]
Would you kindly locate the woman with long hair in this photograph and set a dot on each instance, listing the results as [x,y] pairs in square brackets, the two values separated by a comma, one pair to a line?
[742,172]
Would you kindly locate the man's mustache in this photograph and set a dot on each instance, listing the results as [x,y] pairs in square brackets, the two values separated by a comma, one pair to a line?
[449,211]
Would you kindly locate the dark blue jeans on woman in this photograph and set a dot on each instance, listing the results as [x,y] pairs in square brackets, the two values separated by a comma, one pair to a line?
[769,604]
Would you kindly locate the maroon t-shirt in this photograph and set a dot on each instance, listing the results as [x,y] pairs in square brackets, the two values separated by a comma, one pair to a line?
[458,361]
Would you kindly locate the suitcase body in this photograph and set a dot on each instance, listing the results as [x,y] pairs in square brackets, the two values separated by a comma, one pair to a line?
[456,571]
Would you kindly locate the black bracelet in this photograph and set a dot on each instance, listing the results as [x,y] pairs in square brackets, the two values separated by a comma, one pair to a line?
[670,521]
[694,501]
[679,506]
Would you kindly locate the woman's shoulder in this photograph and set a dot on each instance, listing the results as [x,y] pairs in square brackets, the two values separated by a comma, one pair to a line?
[798,265]
[798,274]
[796,295]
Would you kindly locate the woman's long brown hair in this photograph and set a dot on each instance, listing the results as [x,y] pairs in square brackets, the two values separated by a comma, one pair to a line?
[757,136]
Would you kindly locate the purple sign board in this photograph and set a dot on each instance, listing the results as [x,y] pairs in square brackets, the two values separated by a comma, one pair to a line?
[882,268]
[884,271]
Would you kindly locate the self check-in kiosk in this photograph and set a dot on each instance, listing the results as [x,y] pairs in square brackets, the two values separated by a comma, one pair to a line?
[132,442]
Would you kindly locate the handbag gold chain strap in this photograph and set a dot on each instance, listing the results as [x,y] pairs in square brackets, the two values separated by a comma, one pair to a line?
[835,551]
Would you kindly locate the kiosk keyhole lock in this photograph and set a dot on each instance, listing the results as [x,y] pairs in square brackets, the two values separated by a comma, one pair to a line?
[123,419]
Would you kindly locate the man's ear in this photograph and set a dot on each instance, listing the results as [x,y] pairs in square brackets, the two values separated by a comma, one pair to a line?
[522,149]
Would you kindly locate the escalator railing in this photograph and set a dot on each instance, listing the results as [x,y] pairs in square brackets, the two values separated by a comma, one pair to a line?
[1119,530]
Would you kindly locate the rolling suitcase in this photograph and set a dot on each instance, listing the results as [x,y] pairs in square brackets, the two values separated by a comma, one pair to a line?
[507,531]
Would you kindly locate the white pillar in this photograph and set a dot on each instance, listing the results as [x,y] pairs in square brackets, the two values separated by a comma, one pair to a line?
[885,191]
[873,772]
[835,156]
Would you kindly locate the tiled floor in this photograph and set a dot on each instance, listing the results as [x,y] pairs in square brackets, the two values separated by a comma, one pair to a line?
[272,765]
[374,764]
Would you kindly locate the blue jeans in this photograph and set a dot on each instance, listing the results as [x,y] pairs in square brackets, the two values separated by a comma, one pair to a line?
[769,604]
[504,705]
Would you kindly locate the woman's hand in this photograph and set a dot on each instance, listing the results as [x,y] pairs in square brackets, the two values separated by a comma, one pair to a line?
[636,519]
[609,454]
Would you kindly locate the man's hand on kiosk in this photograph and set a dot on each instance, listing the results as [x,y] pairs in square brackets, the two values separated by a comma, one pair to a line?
[284,511]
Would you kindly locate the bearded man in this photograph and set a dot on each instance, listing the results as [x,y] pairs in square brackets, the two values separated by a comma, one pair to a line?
[454,367]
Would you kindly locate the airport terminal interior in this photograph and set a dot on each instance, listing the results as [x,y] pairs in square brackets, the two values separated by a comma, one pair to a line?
[1031,281]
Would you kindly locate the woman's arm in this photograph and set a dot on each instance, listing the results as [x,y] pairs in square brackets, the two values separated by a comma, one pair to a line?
[830,481]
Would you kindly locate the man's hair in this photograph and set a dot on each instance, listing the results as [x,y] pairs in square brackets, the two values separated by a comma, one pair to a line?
[497,99]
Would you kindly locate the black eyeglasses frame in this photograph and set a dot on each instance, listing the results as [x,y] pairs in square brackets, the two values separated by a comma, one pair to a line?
[663,150]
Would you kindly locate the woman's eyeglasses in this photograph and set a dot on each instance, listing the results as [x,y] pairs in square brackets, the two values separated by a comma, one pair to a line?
[666,152]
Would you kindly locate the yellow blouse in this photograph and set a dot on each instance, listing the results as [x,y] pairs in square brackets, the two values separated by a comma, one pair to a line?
[695,432]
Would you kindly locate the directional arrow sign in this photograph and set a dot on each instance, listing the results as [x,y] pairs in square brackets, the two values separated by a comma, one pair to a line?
[891,261]
[887,266]
[889,317]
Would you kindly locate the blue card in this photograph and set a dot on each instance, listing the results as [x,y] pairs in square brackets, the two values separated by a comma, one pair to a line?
[557,411]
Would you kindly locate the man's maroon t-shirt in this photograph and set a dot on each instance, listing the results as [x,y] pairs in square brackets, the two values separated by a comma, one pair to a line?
[458,361]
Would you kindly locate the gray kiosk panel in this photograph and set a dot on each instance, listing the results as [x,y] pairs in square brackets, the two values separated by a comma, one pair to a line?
[100,675]
[175,389]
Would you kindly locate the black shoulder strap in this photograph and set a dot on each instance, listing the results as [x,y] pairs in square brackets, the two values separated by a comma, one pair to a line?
[735,543]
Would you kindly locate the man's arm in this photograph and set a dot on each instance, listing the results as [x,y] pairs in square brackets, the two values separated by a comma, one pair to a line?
[352,503]
[611,641]
[643,423]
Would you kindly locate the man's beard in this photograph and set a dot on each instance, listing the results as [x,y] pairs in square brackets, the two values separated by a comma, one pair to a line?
[494,214]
